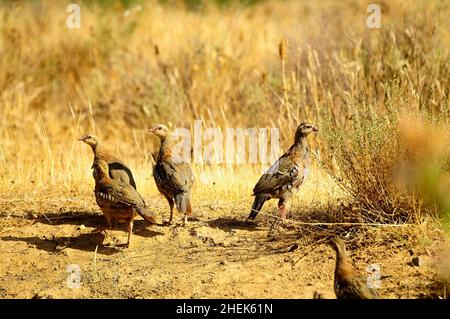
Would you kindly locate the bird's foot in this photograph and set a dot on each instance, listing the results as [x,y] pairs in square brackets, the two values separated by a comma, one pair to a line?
[183,222]
[100,230]
[124,246]
[167,222]
[286,224]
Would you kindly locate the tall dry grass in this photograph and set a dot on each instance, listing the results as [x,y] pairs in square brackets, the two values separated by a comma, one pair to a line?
[272,64]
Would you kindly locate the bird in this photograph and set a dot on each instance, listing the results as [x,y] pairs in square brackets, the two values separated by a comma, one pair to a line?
[286,175]
[117,169]
[118,200]
[348,284]
[173,175]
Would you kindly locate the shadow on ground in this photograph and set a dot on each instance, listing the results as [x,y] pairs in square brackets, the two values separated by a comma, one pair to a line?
[87,240]
[230,223]
[84,242]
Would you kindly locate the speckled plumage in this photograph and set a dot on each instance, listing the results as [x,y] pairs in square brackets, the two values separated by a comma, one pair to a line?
[173,176]
[119,201]
[286,175]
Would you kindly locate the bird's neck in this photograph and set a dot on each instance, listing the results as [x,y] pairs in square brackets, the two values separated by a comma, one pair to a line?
[300,140]
[343,267]
[98,150]
[100,174]
[300,144]
[167,143]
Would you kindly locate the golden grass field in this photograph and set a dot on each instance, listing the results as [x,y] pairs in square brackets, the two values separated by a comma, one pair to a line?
[380,98]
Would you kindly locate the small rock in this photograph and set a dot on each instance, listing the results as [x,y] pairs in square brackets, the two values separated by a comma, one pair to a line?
[222,262]
[416,261]
[81,227]
[292,248]
[193,245]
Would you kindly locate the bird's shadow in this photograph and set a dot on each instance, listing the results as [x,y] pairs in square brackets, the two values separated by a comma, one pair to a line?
[84,242]
[75,218]
[87,240]
[93,220]
[230,223]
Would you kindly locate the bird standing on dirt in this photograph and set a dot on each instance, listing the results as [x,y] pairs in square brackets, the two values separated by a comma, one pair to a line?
[173,176]
[117,169]
[286,175]
[347,283]
[119,201]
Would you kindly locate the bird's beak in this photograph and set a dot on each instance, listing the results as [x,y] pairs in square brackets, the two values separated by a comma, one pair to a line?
[81,139]
[152,130]
[315,129]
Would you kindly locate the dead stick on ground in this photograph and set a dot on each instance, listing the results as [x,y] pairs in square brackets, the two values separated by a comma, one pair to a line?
[95,258]
[336,224]
[315,245]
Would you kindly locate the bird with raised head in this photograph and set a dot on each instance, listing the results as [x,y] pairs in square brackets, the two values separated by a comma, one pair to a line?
[173,175]
[119,201]
[348,284]
[117,169]
[286,175]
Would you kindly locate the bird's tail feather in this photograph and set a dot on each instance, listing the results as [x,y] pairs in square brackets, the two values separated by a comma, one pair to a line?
[183,202]
[147,215]
[257,205]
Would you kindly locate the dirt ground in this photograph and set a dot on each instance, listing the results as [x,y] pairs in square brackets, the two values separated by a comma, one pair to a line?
[218,255]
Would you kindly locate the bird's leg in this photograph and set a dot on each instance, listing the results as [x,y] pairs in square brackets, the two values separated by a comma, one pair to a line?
[171,204]
[130,231]
[185,219]
[171,214]
[103,229]
[282,209]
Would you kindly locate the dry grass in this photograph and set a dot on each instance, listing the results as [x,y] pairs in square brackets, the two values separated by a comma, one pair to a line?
[272,64]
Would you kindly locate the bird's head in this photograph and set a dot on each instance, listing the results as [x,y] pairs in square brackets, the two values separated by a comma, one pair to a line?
[160,130]
[337,244]
[89,139]
[303,130]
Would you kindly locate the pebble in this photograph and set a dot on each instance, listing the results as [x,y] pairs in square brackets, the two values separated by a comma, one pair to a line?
[416,261]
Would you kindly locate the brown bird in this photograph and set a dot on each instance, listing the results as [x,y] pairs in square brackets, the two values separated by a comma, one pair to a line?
[173,176]
[117,169]
[118,201]
[286,175]
[347,283]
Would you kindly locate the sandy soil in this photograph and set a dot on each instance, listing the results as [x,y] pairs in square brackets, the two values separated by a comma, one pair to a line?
[218,255]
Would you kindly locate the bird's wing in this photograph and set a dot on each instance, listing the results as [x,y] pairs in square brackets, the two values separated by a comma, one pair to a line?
[356,288]
[120,193]
[283,172]
[119,171]
[175,177]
